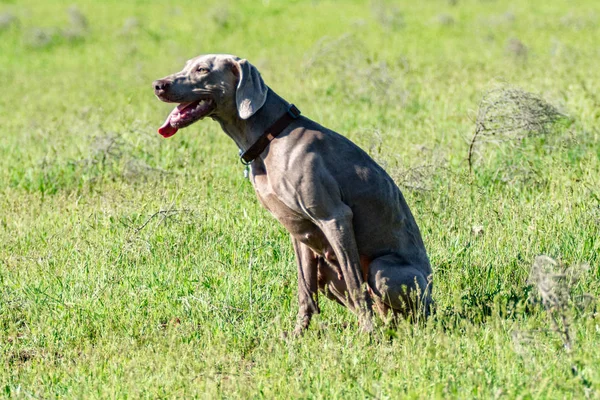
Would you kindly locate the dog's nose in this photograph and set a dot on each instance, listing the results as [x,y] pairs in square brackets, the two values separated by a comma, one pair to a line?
[161,85]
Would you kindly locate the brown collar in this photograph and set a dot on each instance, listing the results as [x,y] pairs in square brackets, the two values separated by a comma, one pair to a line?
[271,133]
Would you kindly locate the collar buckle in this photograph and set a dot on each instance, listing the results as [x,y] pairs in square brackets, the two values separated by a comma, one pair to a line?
[293,111]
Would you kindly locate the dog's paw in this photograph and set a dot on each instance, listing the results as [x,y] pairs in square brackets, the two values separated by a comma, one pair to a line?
[299,330]
[296,333]
[366,325]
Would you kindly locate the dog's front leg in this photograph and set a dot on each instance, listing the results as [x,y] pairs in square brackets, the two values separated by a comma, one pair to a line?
[307,285]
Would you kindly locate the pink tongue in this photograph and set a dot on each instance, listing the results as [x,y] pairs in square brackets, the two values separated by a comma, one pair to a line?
[167,130]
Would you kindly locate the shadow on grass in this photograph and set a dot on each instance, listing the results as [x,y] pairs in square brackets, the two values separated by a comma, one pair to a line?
[476,308]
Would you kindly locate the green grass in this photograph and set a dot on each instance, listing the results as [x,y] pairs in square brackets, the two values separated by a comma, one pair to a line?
[100,297]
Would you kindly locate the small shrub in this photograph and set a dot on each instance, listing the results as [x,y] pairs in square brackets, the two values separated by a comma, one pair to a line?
[511,114]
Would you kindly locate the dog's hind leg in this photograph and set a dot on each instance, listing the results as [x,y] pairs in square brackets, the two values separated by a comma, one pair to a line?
[406,289]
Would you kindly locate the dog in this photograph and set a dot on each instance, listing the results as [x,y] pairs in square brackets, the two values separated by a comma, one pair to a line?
[354,236]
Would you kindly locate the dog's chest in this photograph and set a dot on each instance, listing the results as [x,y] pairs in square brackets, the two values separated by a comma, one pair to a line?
[299,226]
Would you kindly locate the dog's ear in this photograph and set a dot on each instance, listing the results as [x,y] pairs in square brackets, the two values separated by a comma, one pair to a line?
[251,92]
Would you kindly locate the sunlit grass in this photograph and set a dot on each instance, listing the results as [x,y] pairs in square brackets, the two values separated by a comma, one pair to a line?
[133,266]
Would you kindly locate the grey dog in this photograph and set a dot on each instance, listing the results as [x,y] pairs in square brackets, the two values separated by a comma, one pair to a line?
[354,236]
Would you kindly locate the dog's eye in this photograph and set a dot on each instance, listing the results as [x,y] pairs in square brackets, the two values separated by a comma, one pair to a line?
[202,70]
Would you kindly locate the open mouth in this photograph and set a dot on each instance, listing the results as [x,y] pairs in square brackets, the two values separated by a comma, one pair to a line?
[186,114]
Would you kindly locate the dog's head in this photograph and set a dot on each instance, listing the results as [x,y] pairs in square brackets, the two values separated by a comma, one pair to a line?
[216,85]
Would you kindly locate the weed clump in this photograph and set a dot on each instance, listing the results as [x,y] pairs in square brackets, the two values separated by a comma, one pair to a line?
[511,114]
[7,20]
[38,37]
[75,30]
[78,25]
[517,49]
[445,20]
[555,282]
[389,17]
[221,16]
[130,25]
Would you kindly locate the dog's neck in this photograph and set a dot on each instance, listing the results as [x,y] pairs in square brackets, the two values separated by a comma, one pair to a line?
[245,132]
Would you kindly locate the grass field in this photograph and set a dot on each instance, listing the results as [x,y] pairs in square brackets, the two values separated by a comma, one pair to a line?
[137,267]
